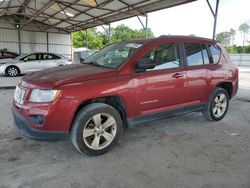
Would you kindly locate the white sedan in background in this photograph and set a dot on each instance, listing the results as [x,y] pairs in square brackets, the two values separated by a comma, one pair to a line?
[31,62]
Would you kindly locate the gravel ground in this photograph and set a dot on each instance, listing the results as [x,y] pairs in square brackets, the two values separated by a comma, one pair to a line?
[184,151]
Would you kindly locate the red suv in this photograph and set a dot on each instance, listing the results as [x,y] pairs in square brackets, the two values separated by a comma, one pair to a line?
[126,83]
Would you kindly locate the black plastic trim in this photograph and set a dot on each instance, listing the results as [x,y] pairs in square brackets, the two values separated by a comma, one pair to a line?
[169,113]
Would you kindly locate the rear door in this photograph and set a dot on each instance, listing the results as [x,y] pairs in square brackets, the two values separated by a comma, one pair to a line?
[164,86]
[197,62]
[51,60]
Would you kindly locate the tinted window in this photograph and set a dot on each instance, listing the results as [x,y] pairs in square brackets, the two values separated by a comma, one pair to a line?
[215,52]
[165,56]
[9,54]
[205,54]
[194,54]
[31,57]
[50,56]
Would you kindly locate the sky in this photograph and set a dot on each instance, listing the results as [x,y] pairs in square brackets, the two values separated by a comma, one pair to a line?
[196,18]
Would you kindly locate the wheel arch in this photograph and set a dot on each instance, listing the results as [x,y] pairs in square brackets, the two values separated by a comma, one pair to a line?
[228,86]
[114,101]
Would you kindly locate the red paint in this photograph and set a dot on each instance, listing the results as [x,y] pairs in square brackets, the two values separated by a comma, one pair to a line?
[163,89]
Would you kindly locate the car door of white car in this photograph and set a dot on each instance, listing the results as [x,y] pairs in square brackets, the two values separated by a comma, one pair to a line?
[30,63]
[51,60]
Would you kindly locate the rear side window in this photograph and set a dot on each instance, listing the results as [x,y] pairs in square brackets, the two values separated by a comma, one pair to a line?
[193,54]
[215,52]
[50,57]
[8,54]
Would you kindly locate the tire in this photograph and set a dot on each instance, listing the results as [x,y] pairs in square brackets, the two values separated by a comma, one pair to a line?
[96,129]
[12,71]
[217,105]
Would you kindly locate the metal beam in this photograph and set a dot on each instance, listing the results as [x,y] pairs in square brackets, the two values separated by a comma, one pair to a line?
[145,27]
[108,32]
[19,41]
[45,7]
[215,15]
[87,39]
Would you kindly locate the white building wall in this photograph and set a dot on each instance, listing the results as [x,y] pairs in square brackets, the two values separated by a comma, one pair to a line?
[60,44]
[9,40]
[32,40]
[241,59]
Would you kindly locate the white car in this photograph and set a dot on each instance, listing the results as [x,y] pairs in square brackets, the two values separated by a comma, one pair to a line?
[31,62]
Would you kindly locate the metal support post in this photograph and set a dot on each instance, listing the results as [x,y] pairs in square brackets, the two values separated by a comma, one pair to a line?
[19,41]
[87,39]
[215,14]
[145,27]
[108,32]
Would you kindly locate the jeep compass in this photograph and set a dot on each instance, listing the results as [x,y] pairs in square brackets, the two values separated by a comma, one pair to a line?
[126,83]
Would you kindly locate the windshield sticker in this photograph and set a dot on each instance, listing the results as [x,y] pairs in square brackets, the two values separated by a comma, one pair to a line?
[133,45]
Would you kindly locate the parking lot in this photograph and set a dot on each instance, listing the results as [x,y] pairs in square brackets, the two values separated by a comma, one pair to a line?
[182,151]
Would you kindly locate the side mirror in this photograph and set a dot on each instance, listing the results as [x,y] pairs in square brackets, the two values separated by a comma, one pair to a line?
[145,64]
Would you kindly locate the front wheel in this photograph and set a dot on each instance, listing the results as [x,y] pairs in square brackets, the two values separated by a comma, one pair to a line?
[217,105]
[96,129]
[12,71]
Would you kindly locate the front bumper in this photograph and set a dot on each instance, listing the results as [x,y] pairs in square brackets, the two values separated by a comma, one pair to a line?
[25,128]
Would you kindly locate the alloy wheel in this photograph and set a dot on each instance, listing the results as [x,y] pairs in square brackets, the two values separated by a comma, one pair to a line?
[220,105]
[99,131]
[12,71]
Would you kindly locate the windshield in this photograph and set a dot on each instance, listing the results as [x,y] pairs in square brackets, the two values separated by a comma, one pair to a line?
[114,55]
[20,56]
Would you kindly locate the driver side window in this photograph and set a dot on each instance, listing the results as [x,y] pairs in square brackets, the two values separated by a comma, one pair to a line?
[164,56]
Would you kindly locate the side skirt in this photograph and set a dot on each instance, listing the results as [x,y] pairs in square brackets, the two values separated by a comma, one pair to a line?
[159,115]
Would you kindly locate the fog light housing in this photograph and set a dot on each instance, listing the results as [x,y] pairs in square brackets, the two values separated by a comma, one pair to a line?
[37,119]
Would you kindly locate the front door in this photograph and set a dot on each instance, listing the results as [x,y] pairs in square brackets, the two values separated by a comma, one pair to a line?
[31,63]
[162,87]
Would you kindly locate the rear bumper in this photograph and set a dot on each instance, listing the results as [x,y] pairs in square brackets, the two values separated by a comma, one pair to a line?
[24,128]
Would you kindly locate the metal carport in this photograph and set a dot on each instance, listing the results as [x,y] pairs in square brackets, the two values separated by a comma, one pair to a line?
[66,16]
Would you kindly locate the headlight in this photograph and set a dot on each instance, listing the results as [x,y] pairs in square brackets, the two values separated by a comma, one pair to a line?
[44,95]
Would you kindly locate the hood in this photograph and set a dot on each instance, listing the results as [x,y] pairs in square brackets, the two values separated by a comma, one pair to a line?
[53,77]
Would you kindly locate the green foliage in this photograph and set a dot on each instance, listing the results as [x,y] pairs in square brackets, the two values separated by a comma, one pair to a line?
[224,38]
[244,28]
[227,39]
[232,49]
[98,40]
[238,49]
[95,40]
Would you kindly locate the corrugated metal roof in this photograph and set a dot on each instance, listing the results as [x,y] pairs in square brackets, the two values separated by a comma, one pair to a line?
[73,15]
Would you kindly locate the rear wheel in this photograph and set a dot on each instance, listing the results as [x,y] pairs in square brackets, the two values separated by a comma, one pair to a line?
[96,129]
[12,71]
[217,105]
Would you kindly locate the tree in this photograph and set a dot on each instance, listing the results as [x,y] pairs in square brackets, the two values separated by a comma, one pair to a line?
[244,29]
[98,39]
[95,41]
[232,35]
[224,38]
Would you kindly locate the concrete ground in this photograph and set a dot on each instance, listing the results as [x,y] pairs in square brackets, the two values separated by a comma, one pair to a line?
[8,82]
[184,151]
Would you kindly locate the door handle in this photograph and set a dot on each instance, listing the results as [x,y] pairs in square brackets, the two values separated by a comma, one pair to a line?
[177,75]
